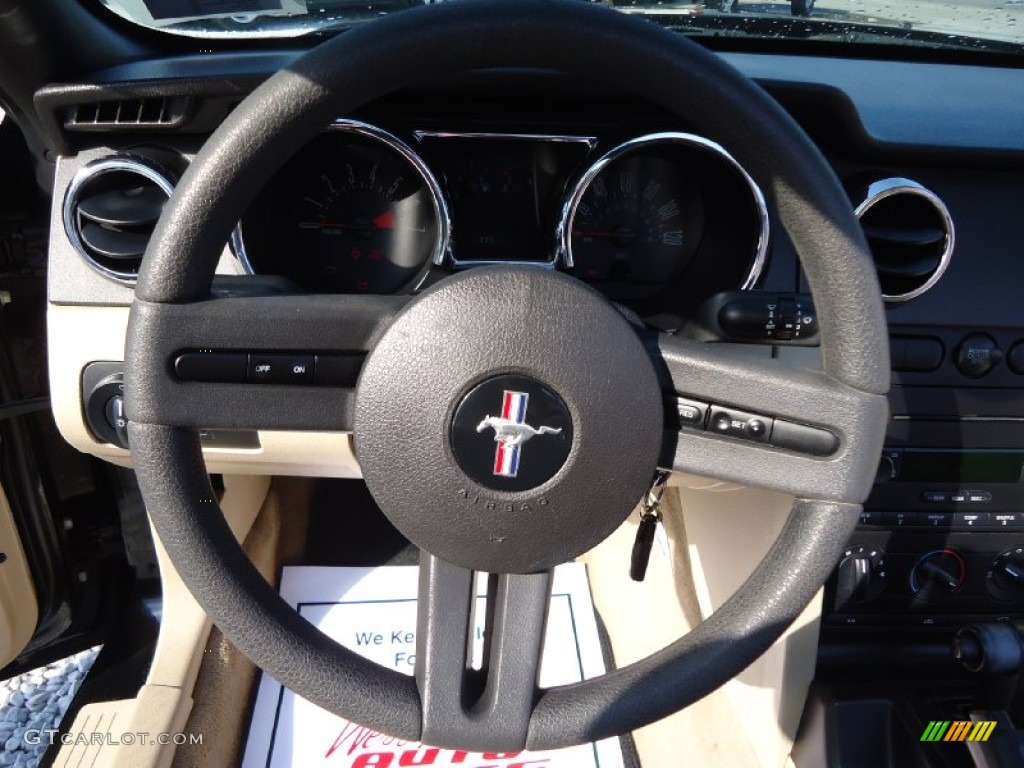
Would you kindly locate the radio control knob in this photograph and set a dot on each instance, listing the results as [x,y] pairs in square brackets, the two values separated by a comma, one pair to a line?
[1006,579]
[861,575]
[937,574]
[886,470]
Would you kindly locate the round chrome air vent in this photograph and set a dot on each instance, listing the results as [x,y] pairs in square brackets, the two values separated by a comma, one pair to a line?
[110,210]
[911,236]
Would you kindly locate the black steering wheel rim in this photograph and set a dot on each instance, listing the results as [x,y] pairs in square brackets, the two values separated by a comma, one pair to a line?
[349,71]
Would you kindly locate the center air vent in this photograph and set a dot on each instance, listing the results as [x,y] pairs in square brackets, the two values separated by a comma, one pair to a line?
[110,210]
[148,114]
[911,236]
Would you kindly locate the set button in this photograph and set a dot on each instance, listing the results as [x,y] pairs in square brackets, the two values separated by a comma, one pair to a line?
[746,426]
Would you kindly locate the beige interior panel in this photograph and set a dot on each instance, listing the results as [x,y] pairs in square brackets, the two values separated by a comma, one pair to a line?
[164,703]
[19,611]
[81,335]
[714,535]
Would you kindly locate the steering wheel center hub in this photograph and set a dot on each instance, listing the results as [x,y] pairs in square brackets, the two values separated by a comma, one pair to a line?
[500,416]
[508,420]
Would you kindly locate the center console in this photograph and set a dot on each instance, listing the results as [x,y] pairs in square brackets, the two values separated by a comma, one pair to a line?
[941,538]
[940,547]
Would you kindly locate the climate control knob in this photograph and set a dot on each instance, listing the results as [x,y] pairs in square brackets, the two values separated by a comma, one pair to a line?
[937,574]
[861,575]
[1006,578]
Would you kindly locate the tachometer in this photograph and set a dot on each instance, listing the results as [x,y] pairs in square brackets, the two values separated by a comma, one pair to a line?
[355,211]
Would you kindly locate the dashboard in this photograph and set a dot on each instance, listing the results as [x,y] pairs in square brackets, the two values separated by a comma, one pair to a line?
[538,168]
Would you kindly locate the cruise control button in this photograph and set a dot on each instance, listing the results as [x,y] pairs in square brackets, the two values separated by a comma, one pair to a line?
[211,366]
[746,426]
[281,369]
[691,413]
[756,428]
[338,370]
[799,437]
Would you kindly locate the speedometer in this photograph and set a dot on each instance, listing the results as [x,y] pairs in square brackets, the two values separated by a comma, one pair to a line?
[663,220]
[356,211]
[634,221]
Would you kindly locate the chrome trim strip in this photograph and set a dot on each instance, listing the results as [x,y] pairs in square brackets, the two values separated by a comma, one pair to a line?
[123,163]
[565,222]
[590,141]
[442,246]
[896,185]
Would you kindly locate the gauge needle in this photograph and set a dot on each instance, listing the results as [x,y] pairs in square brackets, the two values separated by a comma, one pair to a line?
[384,220]
[322,225]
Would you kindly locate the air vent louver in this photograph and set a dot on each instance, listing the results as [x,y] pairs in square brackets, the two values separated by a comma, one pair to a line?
[157,113]
[911,236]
[110,210]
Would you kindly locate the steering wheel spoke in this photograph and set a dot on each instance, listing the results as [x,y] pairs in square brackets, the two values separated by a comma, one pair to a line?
[762,422]
[255,362]
[461,704]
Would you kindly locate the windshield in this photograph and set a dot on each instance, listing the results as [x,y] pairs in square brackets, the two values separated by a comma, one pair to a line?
[990,25]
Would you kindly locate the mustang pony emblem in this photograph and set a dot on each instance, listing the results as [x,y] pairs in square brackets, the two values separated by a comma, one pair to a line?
[511,431]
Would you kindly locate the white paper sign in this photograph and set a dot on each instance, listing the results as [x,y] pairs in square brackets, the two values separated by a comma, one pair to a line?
[373,611]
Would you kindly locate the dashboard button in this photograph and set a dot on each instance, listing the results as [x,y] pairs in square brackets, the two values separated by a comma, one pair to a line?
[921,355]
[972,520]
[872,517]
[901,519]
[1015,360]
[935,497]
[799,437]
[211,366]
[1007,519]
[935,519]
[977,354]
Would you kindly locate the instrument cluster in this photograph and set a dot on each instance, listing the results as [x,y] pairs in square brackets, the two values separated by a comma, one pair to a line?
[657,222]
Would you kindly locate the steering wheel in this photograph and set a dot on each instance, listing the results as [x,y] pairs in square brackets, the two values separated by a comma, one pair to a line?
[439,363]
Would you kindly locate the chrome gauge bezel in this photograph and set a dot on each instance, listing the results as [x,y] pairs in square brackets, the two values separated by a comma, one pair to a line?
[563,233]
[441,250]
